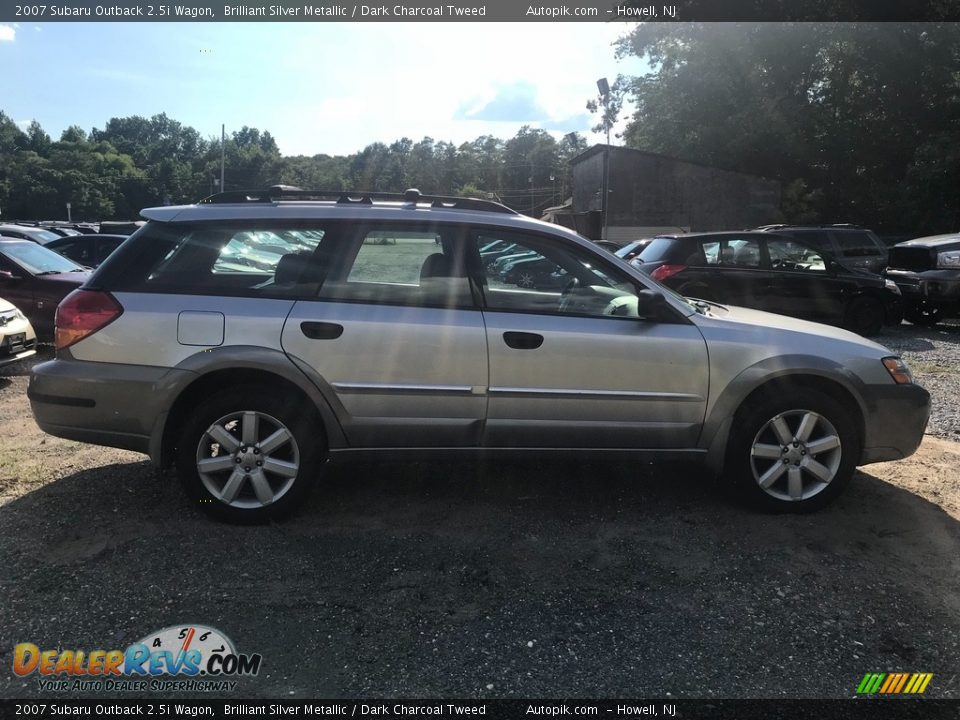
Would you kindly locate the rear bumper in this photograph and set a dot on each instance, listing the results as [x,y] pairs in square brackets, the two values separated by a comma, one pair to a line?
[101,403]
[895,421]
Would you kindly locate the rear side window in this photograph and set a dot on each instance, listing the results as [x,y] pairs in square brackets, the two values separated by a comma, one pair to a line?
[213,258]
[857,244]
[819,239]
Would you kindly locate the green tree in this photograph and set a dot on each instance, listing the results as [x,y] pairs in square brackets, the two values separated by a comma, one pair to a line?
[852,110]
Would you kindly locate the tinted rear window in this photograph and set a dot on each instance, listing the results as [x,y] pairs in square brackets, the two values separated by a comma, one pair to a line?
[659,249]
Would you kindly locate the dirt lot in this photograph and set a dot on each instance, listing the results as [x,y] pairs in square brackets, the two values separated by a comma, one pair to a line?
[565,579]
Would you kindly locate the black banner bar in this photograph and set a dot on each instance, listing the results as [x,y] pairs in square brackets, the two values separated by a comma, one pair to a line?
[854,709]
[481,11]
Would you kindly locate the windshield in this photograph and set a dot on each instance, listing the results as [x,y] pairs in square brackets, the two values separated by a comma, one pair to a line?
[37,259]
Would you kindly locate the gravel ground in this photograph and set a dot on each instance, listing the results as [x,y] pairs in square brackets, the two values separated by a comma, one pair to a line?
[934,357]
[557,579]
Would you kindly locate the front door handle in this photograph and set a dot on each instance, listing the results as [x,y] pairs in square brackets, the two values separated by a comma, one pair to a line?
[321,330]
[523,340]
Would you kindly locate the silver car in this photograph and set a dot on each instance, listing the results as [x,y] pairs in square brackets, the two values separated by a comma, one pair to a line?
[249,375]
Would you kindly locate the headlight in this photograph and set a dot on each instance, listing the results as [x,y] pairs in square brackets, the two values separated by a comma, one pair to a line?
[949,260]
[19,315]
[891,286]
[898,370]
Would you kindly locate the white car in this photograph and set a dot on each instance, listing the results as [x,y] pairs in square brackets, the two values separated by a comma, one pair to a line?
[17,338]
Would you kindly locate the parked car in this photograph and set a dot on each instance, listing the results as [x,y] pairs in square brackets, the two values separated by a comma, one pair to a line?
[36,279]
[86,250]
[248,379]
[17,338]
[532,272]
[858,248]
[629,251]
[24,232]
[927,271]
[773,273]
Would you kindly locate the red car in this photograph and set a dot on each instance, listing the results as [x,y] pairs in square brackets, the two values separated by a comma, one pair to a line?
[36,279]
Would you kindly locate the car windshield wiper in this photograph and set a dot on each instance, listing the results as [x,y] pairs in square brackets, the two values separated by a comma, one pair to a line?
[48,272]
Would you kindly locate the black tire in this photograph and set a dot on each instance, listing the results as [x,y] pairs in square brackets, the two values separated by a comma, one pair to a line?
[226,414]
[754,431]
[924,316]
[864,315]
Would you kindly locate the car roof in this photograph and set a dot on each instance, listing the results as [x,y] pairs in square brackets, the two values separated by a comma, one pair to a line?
[931,241]
[347,205]
[718,233]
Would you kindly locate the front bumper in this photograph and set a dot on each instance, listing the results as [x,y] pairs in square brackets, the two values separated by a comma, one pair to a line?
[940,288]
[101,403]
[895,421]
[17,341]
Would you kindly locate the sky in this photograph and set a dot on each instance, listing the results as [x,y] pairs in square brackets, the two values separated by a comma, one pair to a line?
[317,87]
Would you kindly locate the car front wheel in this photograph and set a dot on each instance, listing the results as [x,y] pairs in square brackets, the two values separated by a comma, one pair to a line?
[792,452]
[864,316]
[249,456]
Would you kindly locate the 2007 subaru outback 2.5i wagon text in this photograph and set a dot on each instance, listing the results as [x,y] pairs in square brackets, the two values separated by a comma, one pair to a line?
[251,336]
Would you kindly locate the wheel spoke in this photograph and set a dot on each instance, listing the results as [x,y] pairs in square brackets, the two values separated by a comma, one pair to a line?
[794,483]
[819,471]
[771,475]
[823,444]
[782,430]
[280,467]
[807,424]
[232,488]
[221,435]
[261,487]
[762,450]
[249,427]
[216,464]
[277,439]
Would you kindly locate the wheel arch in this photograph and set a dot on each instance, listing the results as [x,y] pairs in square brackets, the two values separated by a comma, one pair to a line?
[755,383]
[210,372]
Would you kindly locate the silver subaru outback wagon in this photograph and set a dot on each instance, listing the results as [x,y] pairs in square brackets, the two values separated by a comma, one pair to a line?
[251,337]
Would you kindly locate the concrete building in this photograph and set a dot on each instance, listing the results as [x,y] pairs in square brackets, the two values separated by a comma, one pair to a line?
[650,194]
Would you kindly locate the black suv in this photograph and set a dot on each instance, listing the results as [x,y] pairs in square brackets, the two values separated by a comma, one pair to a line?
[859,248]
[927,271]
[772,272]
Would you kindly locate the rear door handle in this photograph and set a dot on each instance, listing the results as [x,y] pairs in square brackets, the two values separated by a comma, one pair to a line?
[523,340]
[321,330]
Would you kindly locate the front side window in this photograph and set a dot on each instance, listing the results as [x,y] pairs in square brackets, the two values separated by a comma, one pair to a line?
[544,275]
[791,256]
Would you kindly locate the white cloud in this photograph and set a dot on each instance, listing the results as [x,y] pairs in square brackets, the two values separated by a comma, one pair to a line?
[8,33]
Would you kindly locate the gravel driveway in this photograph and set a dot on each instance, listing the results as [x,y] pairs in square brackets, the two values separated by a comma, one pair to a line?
[557,579]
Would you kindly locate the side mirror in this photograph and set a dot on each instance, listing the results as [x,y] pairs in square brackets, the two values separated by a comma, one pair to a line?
[6,275]
[650,304]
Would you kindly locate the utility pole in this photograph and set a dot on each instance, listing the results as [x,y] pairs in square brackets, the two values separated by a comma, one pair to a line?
[604,87]
[223,152]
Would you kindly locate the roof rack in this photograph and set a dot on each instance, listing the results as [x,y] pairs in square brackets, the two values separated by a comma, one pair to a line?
[779,226]
[411,198]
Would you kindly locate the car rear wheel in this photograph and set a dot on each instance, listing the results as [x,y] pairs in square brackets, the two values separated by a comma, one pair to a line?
[792,451]
[249,456]
[924,316]
[864,316]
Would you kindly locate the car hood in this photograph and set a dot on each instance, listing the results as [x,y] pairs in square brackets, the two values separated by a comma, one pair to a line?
[76,279]
[6,306]
[807,334]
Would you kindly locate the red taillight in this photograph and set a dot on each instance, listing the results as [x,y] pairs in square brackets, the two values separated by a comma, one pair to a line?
[82,313]
[665,271]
